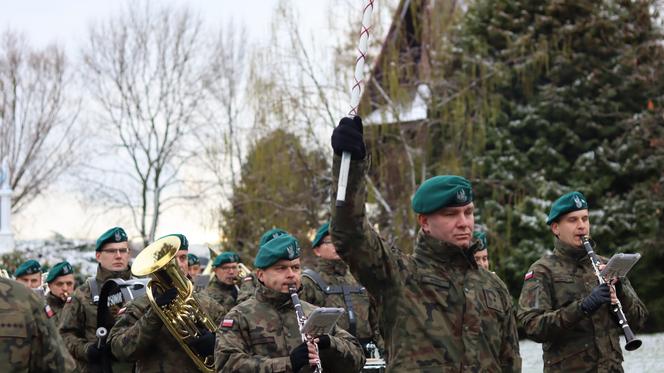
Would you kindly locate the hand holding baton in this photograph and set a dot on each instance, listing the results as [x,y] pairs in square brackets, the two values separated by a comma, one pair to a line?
[355,98]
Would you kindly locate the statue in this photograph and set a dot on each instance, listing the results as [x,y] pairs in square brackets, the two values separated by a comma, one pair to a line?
[6,235]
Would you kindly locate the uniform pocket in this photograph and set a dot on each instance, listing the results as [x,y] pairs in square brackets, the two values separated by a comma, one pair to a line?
[263,345]
[14,334]
[492,299]
[435,289]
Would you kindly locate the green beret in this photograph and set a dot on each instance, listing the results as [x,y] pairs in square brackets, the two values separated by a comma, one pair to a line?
[271,234]
[115,234]
[184,243]
[323,231]
[282,247]
[225,257]
[442,191]
[572,201]
[28,268]
[193,259]
[60,269]
[481,238]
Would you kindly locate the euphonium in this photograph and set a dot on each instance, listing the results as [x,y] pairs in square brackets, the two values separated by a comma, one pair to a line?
[242,272]
[183,317]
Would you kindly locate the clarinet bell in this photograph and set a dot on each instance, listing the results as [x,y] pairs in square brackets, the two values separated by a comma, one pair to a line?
[633,344]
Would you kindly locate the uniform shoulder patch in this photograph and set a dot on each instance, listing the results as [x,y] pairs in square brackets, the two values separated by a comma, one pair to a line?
[49,311]
[248,278]
[227,323]
[122,310]
[528,276]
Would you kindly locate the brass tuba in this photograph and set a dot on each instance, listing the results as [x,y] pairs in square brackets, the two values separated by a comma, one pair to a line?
[183,317]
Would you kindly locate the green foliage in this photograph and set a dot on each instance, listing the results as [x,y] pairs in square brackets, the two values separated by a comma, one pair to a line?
[282,185]
[580,92]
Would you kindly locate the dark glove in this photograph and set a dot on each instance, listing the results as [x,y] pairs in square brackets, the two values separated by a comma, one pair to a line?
[299,357]
[94,354]
[203,345]
[166,297]
[324,342]
[598,296]
[347,136]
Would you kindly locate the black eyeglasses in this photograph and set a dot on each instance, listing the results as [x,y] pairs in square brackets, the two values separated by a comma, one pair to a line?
[115,251]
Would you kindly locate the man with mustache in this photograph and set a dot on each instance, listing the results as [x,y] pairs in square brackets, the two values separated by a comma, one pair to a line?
[60,282]
[262,333]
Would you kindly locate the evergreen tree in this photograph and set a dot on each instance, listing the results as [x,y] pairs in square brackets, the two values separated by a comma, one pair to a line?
[282,185]
[569,94]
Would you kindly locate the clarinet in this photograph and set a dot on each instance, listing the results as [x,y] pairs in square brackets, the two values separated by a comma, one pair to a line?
[301,319]
[632,343]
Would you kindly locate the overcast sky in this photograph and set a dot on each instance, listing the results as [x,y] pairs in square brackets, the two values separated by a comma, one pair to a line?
[66,22]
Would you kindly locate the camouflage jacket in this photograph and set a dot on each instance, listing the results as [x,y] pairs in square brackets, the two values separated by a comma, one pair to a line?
[247,288]
[29,340]
[258,335]
[78,323]
[335,273]
[550,313]
[439,311]
[226,295]
[56,305]
[140,336]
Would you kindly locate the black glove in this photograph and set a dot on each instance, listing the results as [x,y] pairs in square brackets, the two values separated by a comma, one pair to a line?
[347,136]
[598,296]
[324,342]
[203,345]
[299,357]
[166,297]
[94,354]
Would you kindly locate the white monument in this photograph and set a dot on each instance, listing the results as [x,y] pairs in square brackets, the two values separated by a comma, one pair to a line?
[6,235]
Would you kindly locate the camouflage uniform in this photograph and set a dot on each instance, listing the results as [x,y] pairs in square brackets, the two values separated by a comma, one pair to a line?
[259,334]
[336,273]
[140,335]
[247,288]
[440,313]
[226,295]
[550,313]
[56,305]
[29,341]
[78,323]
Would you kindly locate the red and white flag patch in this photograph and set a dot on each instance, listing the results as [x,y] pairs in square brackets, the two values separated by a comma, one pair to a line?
[528,276]
[122,310]
[49,311]
[227,323]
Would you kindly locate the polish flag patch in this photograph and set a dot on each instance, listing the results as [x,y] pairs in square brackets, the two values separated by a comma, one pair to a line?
[528,276]
[227,323]
[248,278]
[122,310]
[49,311]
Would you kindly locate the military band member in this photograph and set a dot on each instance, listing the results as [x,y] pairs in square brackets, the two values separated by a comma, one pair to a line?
[140,336]
[29,341]
[194,266]
[250,282]
[61,283]
[262,333]
[332,285]
[79,317]
[222,287]
[562,305]
[481,253]
[440,311]
[29,274]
